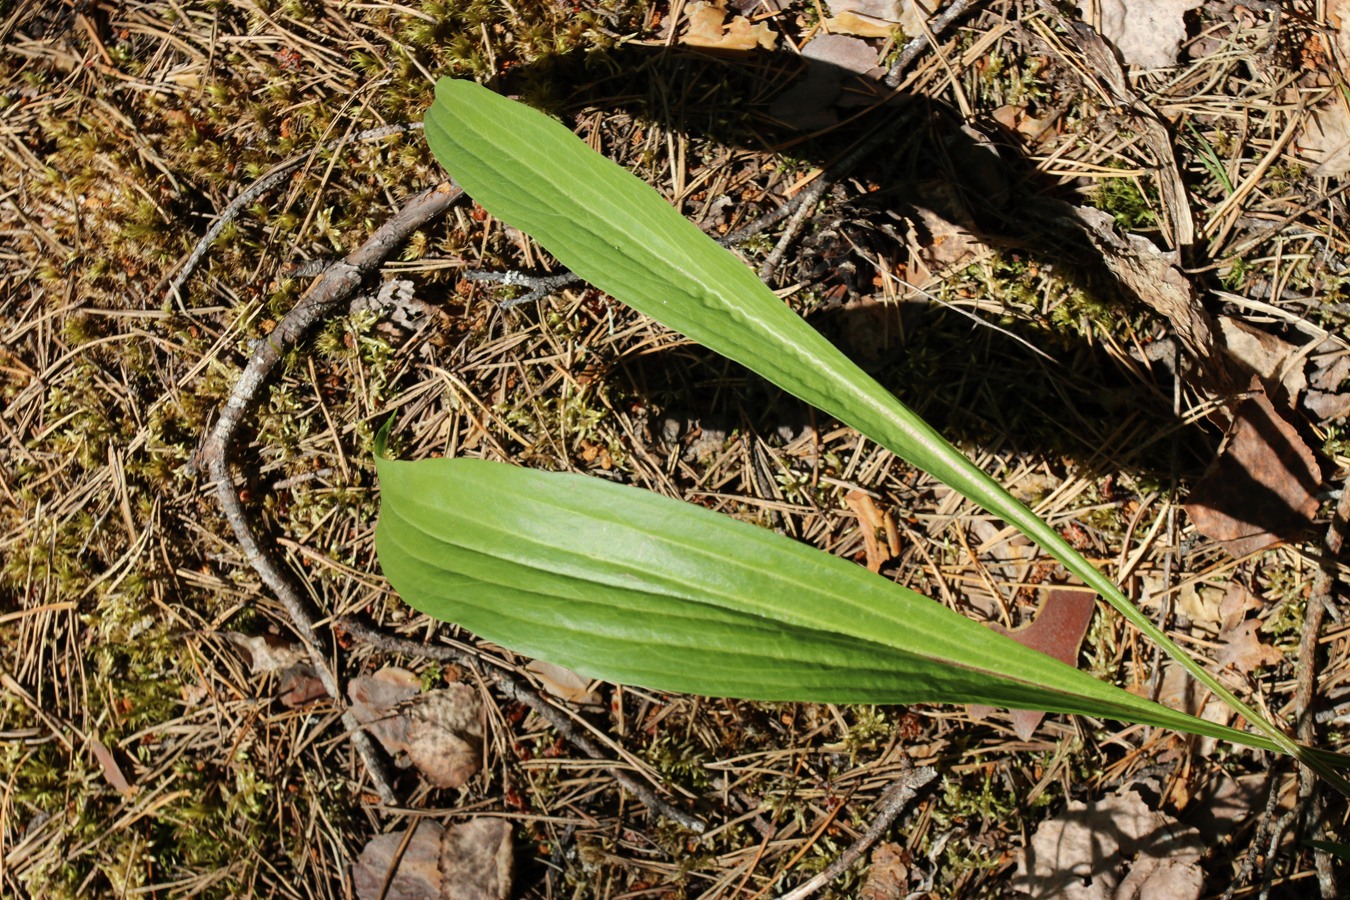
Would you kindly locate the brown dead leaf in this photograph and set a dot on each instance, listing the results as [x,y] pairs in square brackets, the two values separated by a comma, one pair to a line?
[1262,489]
[874,525]
[1274,360]
[888,876]
[1325,140]
[1147,33]
[1325,398]
[1338,14]
[708,28]
[1245,652]
[476,861]
[445,735]
[416,872]
[809,103]
[469,861]
[267,652]
[1223,801]
[879,18]
[375,697]
[564,683]
[440,731]
[1115,849]
[300,686]
[1057,631]
[1234,606]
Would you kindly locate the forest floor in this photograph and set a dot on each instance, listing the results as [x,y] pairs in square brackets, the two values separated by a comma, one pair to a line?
[1118,282]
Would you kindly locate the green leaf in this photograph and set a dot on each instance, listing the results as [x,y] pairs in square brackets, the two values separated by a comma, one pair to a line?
[622,584]
[615,231]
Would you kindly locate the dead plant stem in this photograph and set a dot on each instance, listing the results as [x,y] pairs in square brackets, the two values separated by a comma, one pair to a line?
[330,292]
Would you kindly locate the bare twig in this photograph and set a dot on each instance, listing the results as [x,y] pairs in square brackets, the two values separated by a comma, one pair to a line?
[936,25]
[329,293]
[256,190]
[516,688]
[540,286]
[889,807]
[1319,599]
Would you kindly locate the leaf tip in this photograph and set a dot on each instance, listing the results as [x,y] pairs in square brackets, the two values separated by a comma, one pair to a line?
[382,437]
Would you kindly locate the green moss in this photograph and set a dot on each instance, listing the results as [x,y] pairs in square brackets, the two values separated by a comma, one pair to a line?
[1126,202]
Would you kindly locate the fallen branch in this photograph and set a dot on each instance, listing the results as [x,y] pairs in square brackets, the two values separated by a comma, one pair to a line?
[516,688]
[329,293]
[889,807]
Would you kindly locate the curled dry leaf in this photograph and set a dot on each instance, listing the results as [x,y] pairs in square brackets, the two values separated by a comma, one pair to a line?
[1155,279]
[874,525]
[564,683]
[1115,849]
[469,861]
[441,731]
[1147,33]
[879,18]
[1263,488]
[708,28]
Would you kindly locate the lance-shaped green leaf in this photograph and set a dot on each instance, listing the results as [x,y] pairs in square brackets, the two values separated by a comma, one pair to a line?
[618,233]
[622,584]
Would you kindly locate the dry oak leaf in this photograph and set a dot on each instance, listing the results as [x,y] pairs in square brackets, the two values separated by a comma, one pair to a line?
[708,28]
[1146,33]
[1116,849]
[1263,488]
[1057,631]
[469,861]
[441,731]
[1245,652]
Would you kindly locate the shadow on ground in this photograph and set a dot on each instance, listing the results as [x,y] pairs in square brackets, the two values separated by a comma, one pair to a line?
[1023,386]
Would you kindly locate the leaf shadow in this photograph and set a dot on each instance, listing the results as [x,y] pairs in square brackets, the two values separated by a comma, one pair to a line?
[1025,388]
